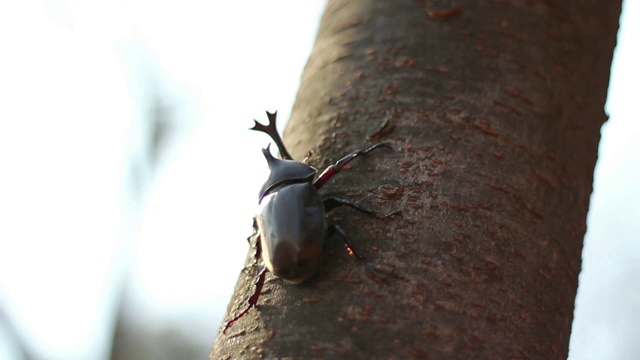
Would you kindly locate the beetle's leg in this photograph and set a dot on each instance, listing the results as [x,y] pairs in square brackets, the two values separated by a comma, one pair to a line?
[254,242]
[273,132]
[255,231]
[258,253]
[257,245]
[351,250]
[329,172]
[253,300]
[333,229]
[332,203]
[308,156]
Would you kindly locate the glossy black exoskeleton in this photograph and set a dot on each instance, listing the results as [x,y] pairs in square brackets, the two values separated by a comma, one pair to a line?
[290,227]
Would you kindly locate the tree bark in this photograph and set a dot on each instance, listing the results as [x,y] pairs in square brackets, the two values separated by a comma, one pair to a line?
[493,109]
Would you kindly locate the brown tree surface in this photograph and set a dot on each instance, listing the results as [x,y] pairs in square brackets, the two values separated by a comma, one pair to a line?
[493,109]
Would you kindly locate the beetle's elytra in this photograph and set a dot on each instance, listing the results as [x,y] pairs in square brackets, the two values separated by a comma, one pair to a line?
[290,226]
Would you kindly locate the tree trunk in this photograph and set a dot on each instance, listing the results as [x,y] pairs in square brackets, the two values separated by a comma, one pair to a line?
[493,109]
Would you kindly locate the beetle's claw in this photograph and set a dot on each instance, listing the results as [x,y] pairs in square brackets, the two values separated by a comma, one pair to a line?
[379,273]
[397,212]
[246,268]
[378,145]
[308,156]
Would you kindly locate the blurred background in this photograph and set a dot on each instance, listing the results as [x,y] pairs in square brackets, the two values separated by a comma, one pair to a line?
[128,178]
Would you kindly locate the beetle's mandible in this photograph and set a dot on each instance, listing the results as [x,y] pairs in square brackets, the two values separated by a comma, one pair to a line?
[290,226]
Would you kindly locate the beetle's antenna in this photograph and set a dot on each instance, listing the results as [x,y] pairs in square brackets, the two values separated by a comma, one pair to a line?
[271,130]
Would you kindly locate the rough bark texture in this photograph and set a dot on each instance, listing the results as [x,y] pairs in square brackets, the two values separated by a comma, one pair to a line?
[494,110]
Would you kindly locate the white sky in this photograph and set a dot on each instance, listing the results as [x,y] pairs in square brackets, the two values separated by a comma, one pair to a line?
[75,77]
[607,315]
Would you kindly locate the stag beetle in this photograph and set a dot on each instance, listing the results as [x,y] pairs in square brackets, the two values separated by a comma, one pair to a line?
[290,226]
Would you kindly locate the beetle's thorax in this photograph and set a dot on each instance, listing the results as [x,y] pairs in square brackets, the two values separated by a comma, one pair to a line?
[284,172]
